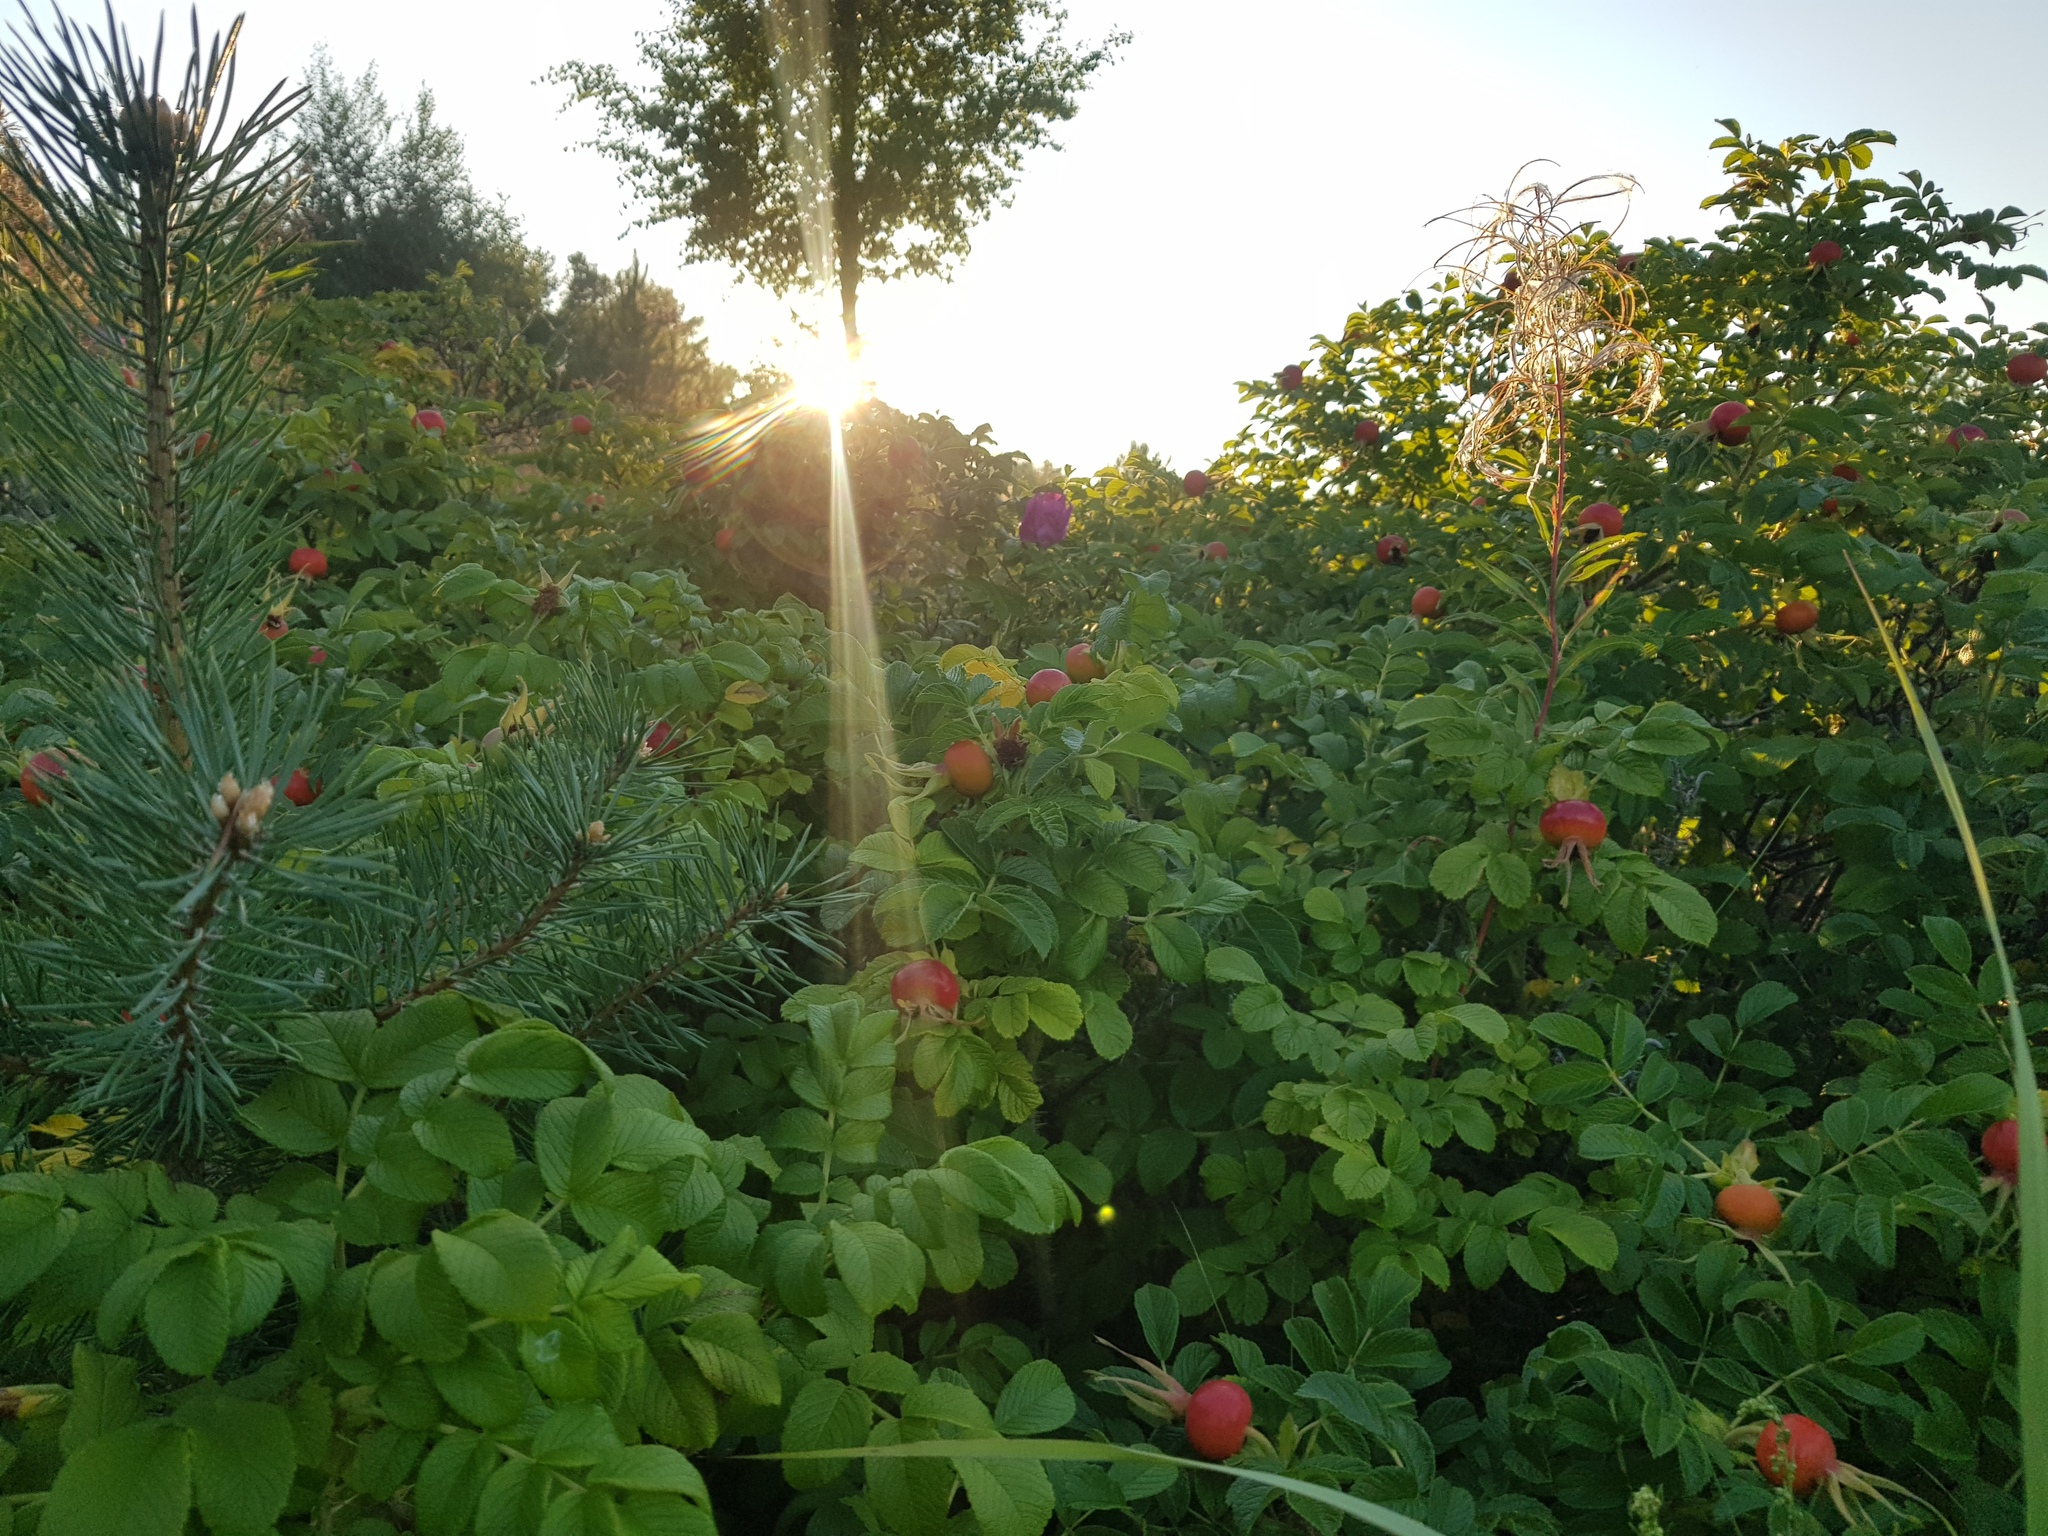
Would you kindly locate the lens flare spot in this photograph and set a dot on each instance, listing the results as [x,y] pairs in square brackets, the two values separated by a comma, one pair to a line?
[1104,1215]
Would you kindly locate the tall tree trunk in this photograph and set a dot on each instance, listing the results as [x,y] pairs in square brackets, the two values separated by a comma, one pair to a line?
[847,89]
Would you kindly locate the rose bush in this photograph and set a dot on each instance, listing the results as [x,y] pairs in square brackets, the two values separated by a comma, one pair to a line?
[1287,1049]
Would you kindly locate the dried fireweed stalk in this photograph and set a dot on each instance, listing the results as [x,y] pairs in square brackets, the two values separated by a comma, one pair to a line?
[1571,313]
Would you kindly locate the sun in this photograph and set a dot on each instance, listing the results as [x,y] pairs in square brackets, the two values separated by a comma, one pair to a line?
[827,379]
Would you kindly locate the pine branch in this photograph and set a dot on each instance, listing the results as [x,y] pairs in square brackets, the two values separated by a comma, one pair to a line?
[528,925]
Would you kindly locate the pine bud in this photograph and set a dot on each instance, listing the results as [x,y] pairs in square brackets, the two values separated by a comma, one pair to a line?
[248,825]
[221,810]
[230,789]
[595,834]
[258,801]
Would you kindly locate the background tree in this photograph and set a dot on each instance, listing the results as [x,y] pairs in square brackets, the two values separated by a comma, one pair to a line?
[932,108]
[392,201]
[630,336]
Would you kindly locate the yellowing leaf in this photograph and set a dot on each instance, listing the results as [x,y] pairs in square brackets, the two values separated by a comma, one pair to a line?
[976,662]
[744,692]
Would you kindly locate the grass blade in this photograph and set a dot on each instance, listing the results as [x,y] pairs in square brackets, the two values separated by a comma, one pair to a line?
[1097,1450]
[2033,1190]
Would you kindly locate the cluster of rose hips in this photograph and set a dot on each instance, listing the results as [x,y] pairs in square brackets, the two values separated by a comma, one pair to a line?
[967,765]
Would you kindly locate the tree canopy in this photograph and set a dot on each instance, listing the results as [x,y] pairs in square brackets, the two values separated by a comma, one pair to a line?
[927,110]
[391,200]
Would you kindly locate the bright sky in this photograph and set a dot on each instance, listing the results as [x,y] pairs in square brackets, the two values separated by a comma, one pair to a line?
[1244,175]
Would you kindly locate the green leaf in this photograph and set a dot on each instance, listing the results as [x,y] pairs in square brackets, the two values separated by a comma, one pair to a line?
[1889,1340]
[1035,1401]
[1228,963]
[1604,1143]
[422,1037]
[1684,910]
[1763,1000]
[1949,941]
[881,1267]
[1508,877]
[733,1354]
[135,1481]
[1109,1028]
[1177,948]
[1055,1008]
[503,1265]
[1482,1021]
[1009,1498]
[33,1231]
[1584,1234]
[1159,1317]
[1457,871]
[467,1133]
[416,1307]
[186,1311]
[575,1435]
[451,1481]
[525,1063]
[1149,749]
[651,1469]
[300,1113]
[826,1415]
[483,1386]
[103,1397]
[1972,1093]
[243,1458]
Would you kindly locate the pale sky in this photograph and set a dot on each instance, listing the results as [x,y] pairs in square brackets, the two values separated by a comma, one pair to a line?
[1243,176]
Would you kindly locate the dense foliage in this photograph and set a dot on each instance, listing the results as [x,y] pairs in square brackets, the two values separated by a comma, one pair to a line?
[1285,1049]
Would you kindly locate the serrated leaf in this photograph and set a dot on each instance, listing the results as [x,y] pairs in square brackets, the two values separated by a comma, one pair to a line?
[1458,870]
[1686,912]
[1035,1401]
[135,1481]
[243,1458]
[503,1265]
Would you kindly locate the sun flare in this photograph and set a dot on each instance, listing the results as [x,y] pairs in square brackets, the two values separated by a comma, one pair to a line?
[827,379]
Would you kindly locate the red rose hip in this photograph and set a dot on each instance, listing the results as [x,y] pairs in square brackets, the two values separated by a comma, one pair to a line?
[580,424]
[1391,550]
[1604,516]
[2001,1148]
[45,768]
[1796,617]
[1082,666]
[1426,603]
[1366,432]
[1800,1451]
[1195,483]
[301,790]
[968,769]
[1825,253]
[1218,1415]
[1750,1209]
[926,986]
[307,562]
[1043,684]
[1968,432]
[1290,377]
[1216,550]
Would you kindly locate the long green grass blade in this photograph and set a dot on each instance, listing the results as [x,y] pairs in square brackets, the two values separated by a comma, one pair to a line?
[1097,1450]
[2033,1190]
